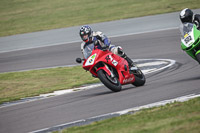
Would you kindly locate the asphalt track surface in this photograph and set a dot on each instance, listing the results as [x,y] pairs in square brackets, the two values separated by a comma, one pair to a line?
[179,80]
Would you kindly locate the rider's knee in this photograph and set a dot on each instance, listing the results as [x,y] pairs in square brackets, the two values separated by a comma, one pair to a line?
[117,50]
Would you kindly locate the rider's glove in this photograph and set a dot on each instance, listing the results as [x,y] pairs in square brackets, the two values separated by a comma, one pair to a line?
[96,43]
[104,48]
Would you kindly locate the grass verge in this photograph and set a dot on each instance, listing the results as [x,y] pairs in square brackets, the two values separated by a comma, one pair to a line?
[172,118]
[22,16]
[16,85]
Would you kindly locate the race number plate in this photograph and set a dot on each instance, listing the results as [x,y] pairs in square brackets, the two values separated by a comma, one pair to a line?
[188,39]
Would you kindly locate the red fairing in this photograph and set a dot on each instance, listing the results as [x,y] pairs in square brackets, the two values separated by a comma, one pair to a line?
[110,59]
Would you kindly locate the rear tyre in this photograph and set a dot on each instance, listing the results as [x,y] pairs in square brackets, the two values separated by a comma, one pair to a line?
[198,57]
[112,83]
[139,78]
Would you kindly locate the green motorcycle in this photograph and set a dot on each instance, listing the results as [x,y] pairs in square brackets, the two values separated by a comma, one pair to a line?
[190,40]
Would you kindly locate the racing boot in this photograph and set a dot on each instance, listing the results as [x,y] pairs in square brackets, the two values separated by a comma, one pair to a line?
[131,64]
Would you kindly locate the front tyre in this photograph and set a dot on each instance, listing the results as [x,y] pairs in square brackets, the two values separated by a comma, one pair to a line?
[112,83]
[139,78]
[198,57]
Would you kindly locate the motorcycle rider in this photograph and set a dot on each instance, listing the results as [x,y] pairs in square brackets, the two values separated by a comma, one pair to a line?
[102,42]
[187,15]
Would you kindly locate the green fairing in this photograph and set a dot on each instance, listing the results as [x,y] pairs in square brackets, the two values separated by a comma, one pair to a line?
[190,52]
[196,33]
[183,46]
[196,36]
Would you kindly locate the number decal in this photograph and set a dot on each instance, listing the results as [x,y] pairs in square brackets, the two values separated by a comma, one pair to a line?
[90,60]
[189,38]
[114,62]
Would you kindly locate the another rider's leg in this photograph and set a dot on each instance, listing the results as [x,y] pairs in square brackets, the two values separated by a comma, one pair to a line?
[119,51]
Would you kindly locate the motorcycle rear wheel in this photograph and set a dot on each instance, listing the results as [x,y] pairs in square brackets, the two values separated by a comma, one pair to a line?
[139,78]
[112,83]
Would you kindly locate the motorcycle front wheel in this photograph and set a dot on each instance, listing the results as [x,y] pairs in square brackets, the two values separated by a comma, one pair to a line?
[112,83]
[198,57]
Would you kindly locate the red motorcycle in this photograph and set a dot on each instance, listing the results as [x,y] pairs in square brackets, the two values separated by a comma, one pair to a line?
[112,70]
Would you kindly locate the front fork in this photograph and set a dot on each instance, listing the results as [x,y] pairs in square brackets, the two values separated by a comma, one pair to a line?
[106,69]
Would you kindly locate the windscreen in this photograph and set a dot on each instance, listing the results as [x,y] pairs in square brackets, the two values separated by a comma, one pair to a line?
[185,28]
[87,51]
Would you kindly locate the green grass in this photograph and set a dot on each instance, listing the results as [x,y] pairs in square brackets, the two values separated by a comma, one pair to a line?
[172,118]
[22,16]
[16,85]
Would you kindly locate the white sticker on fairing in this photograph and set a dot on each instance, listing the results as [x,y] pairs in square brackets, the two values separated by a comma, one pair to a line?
[114,62]
[90,60]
